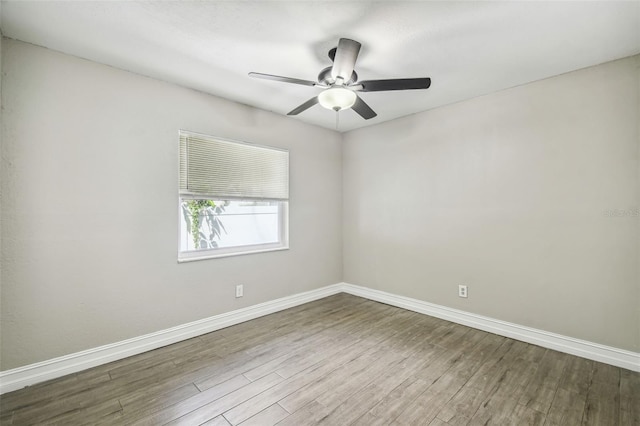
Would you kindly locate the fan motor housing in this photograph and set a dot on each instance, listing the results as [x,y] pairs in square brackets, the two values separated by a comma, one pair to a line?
[325,77]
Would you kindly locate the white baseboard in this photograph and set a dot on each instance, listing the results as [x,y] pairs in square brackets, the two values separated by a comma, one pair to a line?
[582,348]
[18,378]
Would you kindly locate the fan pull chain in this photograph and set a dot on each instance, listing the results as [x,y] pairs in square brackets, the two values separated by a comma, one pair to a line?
[337,118]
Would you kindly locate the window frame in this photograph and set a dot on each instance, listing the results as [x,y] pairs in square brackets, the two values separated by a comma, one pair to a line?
[213,253]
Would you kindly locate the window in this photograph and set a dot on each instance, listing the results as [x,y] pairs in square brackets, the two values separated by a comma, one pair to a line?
[233,197]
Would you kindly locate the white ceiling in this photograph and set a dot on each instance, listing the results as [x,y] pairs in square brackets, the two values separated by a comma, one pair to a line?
[467,48]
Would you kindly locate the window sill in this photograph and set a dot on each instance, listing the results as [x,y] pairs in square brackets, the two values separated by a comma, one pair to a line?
[219,255]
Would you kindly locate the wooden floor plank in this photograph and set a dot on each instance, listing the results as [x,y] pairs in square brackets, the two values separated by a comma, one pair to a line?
[327,339]
[310,414]
[389,361]
[171,411]
[544,383]
[466,402]
[489,373]
[71,414]
[427,405]
[389,407]
[251,335]
[603,402]
[267,417]
[364,398]
[527,416]
[6,417]
[332,360]
[496,410]
[233,399]
[157,397]
[337,361]
[603,398]
[460,409]
[577,375]
[567,408]
[51,390]
[216,421]
[629,398]
[338,356]
[383,398]
[329,382]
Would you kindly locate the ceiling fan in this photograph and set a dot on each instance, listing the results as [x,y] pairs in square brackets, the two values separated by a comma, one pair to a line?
[340,83]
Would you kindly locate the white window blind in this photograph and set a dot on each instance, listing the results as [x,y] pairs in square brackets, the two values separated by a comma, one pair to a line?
[215,167]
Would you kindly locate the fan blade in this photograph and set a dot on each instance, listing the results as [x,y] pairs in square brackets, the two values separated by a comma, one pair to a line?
[363,109]
[311,102]
[332,54]
[345,59]
[282,79]
[395,84]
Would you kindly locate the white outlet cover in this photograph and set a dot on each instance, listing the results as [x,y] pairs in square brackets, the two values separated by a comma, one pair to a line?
[462,290]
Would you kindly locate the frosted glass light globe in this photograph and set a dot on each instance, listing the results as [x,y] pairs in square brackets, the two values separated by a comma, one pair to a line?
[337,98]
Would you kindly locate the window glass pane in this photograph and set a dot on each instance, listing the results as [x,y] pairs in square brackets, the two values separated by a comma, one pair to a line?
[218,224]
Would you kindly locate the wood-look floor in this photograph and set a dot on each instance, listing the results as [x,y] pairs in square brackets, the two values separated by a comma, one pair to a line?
[338,361]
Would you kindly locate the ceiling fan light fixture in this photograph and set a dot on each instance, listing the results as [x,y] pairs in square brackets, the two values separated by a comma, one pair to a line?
[337,98]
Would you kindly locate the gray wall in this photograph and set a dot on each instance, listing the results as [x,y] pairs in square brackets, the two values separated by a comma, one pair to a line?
[90,215]
[507,193]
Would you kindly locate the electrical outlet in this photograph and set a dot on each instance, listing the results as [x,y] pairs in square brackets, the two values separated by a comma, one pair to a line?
[239,290]
[462,290]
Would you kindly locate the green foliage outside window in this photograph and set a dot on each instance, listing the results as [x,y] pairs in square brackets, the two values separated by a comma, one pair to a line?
[196,212]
